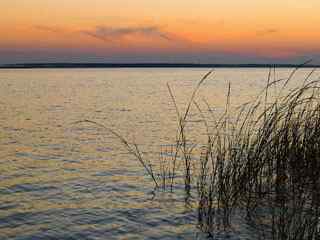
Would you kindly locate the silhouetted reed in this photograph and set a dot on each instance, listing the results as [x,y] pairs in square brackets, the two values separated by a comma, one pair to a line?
[267,163]
[261,160]
[264,163]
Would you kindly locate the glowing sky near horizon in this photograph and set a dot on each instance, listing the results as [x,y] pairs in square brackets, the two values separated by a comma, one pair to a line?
[168,30]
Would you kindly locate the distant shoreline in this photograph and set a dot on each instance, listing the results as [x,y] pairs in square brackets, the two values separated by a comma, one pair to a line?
[149,65]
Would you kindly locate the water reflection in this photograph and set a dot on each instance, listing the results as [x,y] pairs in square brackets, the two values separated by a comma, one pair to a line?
[65,181]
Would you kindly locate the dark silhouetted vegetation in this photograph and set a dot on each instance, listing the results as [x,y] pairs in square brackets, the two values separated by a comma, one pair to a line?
[260,161]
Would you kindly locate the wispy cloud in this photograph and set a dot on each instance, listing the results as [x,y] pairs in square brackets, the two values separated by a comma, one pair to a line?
[105,33]
[267,31]
[47,28]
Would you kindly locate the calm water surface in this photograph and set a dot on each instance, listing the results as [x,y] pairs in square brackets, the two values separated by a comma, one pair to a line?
[61,180]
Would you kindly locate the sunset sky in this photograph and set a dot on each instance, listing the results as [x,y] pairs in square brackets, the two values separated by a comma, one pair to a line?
[206,31]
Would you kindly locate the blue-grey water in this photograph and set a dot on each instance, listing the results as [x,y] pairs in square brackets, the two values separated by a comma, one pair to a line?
[65,180]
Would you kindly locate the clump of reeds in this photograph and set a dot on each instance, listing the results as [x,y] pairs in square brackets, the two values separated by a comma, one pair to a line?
[267,162]
[262,161]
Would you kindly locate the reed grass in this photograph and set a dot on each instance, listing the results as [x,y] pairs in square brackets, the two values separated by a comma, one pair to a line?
[267,163]
[262,162]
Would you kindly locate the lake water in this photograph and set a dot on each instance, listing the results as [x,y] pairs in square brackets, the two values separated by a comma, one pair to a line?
[61,180]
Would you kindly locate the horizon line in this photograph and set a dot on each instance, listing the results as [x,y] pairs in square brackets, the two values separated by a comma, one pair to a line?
[153,65]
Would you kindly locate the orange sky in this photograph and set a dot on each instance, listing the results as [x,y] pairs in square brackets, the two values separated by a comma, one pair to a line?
[166,30]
